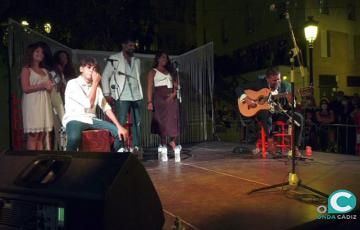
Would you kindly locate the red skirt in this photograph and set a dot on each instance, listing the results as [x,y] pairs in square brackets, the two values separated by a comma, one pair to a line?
[165,119]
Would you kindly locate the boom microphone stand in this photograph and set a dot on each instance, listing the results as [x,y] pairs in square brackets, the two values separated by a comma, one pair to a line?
[178,90]
[293,177]
[178,93]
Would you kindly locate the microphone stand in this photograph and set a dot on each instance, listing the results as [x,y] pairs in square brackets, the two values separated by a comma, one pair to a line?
[178,90]
[114,75]
[293,179]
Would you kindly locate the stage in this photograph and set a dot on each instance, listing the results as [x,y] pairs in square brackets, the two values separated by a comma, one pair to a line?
[208,189]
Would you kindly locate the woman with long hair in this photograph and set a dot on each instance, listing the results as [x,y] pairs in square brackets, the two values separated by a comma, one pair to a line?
[36,103]
[64,68]
[161,94]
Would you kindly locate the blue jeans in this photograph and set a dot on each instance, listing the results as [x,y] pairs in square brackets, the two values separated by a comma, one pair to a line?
[74,129]
[122,108]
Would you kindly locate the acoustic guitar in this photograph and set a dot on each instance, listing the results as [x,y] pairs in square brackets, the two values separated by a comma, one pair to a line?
[263,100]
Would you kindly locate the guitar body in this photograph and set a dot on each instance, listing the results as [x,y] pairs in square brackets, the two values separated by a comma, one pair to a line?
[260,97]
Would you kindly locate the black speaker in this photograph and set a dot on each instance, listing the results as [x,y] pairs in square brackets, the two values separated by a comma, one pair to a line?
[59,190]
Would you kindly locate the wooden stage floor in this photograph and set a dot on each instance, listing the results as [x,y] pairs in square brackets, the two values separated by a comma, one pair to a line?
[208,189]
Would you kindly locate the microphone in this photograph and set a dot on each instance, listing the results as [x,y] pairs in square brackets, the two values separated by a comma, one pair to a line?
[176,65]
[109,60]
[55,77]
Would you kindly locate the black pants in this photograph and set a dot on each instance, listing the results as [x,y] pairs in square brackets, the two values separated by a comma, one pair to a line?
[266,118]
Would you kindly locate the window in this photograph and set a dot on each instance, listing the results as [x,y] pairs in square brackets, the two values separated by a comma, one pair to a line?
[327,81]
[357,47]
[353,81]
[324,9]
[351,12]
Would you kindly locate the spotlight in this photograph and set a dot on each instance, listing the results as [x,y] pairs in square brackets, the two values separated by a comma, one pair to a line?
[25,23]
[47,27]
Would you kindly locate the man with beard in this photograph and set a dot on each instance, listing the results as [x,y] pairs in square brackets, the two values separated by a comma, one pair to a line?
[121,82]
[273,82]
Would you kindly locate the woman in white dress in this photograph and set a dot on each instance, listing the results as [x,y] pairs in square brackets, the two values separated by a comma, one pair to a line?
[36,103]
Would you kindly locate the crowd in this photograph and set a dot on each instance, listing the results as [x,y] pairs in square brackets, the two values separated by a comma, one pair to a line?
[331,126]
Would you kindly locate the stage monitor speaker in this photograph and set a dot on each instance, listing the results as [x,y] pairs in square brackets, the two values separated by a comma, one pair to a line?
[60,190]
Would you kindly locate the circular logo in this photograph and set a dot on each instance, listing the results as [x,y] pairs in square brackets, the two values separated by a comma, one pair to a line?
[341,201]
[321,209]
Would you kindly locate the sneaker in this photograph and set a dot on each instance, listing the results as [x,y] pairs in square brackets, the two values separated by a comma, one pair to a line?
[121,150]
[134,149]
[164,156]
[177,151]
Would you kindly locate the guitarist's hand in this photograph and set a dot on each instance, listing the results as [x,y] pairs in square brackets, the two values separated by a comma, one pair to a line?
[250,102]
[289,98]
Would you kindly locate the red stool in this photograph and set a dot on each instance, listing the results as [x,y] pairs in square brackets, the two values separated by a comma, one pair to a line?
[99,140]
[281,138]
[282,135]
[261,143]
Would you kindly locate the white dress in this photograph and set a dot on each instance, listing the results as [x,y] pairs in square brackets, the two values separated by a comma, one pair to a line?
[36,107]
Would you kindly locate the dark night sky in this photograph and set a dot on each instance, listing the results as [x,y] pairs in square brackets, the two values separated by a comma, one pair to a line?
[102,22]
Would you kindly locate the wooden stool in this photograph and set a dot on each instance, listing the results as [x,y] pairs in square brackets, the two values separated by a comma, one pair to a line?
[98,140]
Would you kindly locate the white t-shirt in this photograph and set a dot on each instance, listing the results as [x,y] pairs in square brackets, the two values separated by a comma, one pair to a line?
[77,102]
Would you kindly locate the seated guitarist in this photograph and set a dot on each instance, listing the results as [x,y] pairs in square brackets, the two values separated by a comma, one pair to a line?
[273,82]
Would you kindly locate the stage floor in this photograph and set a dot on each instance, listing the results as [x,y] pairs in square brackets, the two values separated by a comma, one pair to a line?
[208,189]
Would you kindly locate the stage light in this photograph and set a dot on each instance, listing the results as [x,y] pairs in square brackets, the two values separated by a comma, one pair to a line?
[25,23]
[311,31]
[285,77]
[47,27]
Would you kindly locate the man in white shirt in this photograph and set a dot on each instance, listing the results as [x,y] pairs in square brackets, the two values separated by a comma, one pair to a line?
[121,82]
[82,95]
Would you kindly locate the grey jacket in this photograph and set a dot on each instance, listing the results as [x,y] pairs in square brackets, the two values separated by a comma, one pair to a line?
[113,86]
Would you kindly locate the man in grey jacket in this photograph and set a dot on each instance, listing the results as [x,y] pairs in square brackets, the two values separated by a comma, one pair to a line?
[121,82]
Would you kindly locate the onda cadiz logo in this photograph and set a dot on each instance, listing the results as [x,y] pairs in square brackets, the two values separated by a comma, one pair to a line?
[340,202]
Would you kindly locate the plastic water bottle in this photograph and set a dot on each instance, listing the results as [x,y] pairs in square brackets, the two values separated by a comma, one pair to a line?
[62,134]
